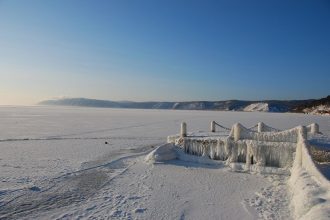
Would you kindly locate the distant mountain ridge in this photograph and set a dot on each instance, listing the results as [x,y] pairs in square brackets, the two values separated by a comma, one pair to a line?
[229,105]
[317,107]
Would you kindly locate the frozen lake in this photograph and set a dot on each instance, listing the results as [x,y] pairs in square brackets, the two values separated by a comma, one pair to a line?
[54,163]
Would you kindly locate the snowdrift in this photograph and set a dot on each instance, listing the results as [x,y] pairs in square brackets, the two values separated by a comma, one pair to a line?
[162,153]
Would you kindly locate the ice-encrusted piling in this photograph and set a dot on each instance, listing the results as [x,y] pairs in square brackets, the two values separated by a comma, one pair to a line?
[212,126]
[315,128]
[237,131]
[261,127]
[303,131]
[183,131]
[301,138]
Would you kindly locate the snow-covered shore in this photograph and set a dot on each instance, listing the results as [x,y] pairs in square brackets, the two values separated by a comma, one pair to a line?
[54,163]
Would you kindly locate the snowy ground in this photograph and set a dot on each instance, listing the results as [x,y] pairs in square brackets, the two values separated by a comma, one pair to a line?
[54,163]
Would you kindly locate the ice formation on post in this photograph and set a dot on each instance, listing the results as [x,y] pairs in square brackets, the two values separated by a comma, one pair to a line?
[212,126]
[183,132]
[313,128]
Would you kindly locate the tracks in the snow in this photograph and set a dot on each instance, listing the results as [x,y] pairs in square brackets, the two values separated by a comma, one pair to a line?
[77,138]
[70,188]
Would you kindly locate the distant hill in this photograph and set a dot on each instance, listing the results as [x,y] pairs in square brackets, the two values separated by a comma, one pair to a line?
[229,105]
[318,107]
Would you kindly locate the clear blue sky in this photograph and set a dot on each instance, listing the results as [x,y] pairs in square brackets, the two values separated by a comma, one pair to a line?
[161,50]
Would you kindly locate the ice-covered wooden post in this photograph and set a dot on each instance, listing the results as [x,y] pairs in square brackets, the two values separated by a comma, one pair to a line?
[303,133]
[183,132]
[261,126]
[212,126]
[315,128]
[237,131]
[248,156]
[302,136]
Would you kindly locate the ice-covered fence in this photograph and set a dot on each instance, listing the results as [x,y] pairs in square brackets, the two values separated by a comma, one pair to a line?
[213,148]
[240,132]
[276,154]
[304,160]
[214,124]
[262,127]
[245,145]
[310,189]
[273,154]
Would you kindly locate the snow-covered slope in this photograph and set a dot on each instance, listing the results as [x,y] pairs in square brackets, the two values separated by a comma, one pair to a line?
[257,107]
[318,110]
[316,107]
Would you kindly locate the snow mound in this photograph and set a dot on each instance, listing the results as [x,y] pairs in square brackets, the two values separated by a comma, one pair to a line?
[162,153]
[257,107]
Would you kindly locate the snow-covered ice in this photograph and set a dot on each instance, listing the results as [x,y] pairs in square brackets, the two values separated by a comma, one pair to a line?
[54,163]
